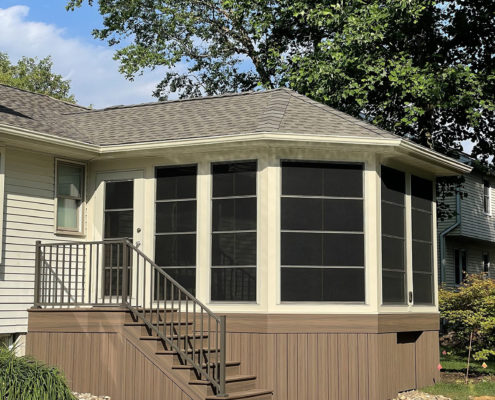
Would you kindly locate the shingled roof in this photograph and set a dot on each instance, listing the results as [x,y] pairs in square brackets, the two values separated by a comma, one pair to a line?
[273,111]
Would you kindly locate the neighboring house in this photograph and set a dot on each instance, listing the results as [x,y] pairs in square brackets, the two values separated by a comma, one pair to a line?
[301,241]
[467,239]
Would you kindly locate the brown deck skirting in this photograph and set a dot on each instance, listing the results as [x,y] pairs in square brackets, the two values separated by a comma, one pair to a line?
[299,357]
[109,320]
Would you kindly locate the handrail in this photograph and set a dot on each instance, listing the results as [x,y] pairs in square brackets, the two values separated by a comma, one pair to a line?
[116,273]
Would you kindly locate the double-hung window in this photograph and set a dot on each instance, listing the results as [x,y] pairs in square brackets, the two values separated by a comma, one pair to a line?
[234,221]
[322,238]
[70,196]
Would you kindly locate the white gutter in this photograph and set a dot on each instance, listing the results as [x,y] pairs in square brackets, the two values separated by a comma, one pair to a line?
[443,261]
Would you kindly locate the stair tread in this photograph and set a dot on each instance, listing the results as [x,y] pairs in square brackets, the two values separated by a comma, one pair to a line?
[205,351]
[161,323]
[242,395]
[228,363]
[228,379]
[152,337]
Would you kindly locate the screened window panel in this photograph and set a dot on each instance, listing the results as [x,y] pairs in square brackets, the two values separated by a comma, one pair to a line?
[422,193]
[393,185]
[393,253]
[343,284]
[343,215]
[233,284]
[423,288]
[185,276]
[322,179]
[175,250]
[118,224]
[422,259]
[234,214]
[176,216]
[178,182]
[119,195]
[301,214]
[234,179]
[234,249]
[393,219]
[301,284]
[421,225]
[394,286]
[393,190]
[302,248]
[321,230]
[343,249]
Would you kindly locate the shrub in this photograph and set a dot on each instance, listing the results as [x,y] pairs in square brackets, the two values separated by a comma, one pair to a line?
[471,309]
[27,379]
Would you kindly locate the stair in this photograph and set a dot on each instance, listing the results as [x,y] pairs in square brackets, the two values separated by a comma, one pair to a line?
[237,385]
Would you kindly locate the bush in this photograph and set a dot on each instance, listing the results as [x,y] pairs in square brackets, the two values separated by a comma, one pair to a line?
[471,309]
[27,379]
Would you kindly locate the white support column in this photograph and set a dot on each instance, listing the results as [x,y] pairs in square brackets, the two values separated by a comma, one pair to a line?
[409,251]
[203,229]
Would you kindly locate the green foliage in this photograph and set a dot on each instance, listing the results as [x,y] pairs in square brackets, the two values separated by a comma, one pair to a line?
[454,362]
[422,69]
[35,76]
[26,379]
[461,391]
[471,308]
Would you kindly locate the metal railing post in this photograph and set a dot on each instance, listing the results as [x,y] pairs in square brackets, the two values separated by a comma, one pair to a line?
[37,274]
[223,355]
[125,261]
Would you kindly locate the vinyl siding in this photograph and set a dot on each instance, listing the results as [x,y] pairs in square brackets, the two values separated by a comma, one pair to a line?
[28,216]
[474,222]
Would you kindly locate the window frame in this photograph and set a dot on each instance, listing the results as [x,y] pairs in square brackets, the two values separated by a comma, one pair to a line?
[81,209]
[487,197]
[360,163]
[256,231]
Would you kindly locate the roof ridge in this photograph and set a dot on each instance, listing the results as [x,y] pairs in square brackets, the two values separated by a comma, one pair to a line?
[346,117]
[211,97]
[45,95]
[273,113]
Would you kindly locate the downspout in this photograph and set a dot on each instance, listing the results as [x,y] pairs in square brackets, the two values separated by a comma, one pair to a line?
[447,231]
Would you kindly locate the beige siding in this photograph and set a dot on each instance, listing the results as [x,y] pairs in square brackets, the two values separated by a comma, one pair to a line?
[28,216]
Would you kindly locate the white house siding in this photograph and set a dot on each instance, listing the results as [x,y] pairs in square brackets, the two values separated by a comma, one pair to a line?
[28,216]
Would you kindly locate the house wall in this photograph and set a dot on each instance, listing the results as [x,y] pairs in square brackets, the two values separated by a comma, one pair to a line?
[28,215]
[474,222]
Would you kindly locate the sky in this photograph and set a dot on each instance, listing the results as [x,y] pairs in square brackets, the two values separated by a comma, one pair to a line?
[38,28]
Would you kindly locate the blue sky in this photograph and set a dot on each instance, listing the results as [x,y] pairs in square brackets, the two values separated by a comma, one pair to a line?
[38,28]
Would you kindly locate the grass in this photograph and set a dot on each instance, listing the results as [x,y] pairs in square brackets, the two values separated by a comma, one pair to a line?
[456,363]
[461,391]
[481,382]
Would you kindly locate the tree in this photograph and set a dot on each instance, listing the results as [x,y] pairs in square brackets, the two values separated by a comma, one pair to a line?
[422,69]
[470,310]
[36,76]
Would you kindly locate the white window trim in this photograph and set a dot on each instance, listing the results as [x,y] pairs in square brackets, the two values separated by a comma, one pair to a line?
[82,208]
[2,197]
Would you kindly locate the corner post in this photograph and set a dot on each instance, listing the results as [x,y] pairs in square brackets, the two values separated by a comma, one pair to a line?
[37,274]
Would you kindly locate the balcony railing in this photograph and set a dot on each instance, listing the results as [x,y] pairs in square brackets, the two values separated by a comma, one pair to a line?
[117,273]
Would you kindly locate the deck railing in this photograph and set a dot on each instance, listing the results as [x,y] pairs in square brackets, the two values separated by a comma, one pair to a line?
[117,273]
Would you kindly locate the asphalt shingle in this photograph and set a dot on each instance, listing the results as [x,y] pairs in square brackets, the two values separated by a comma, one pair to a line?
[274,111]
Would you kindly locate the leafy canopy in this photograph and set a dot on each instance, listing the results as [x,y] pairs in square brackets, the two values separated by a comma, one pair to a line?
[35,76]
[424,69]
[471,309]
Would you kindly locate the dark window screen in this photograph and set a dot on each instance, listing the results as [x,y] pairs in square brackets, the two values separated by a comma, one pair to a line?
[422,228]
[234,220]
[393,236]
[175,225]
[322,239]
